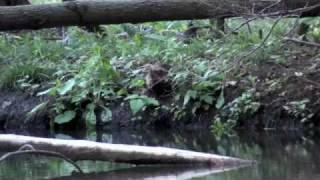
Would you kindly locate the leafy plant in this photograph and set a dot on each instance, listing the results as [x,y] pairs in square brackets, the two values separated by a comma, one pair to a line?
[242,107]
[138,102]
[25,75]
[94,80]
[65,117]
[299,110]
[88,72]
[203,95]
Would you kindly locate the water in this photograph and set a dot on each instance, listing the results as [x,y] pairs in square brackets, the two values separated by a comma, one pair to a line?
[281,156]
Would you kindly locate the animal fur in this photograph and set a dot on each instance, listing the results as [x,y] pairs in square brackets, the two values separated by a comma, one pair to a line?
[156,79]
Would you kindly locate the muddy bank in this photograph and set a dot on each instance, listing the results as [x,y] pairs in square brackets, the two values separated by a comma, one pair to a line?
[14,107]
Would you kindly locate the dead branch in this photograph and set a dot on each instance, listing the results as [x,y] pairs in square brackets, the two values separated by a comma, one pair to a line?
[29,149]
[295,40]
[261,44]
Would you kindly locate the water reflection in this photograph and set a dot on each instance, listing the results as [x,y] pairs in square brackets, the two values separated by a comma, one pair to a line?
[282,156]
[149,172]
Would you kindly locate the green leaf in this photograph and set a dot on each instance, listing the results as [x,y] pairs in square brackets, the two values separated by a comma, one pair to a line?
[65,117]
[106,114]
[133,96]
[151,101]
[40,107]
[90,115]
[136,105]
[201,67]
[138,102]
[208,99]
[190,94]
[138,83]
[122,92]
[220,101]
[186,99]
[137,39]
[67,87]
[193,94]
[155,37]
[49,91]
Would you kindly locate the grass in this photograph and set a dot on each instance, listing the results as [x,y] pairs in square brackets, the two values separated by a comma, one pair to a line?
[108,67]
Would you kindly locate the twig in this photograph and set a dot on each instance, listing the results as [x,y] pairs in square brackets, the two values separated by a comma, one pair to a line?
[262,43]
[310,81]
[296,23]
[240,26]
[249,28]
[295,40]
[270,6]
[29,149]
[292,12]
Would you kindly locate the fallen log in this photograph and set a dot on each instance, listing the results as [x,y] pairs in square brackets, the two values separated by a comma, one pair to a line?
[95,12]
[88,150]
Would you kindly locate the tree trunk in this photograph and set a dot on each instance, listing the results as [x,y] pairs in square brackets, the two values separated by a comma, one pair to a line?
[13,2]
[96,12]
[88,150]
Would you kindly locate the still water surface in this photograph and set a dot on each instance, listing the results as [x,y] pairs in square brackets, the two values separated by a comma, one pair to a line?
[281,156]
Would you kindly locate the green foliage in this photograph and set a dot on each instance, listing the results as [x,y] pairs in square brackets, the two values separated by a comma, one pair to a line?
[91,81]
[240,108]
[220,101]
[91,118]
[91,71]
[220,128]
[203,95]
[65,117]
[37,109]
[22,76]
[138,102]
[299,110]
[315,31]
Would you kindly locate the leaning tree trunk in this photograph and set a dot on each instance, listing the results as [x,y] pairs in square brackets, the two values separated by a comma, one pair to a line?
[96,12]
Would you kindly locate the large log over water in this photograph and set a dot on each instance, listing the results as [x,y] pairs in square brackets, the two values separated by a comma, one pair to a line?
[96,12]
[88,150]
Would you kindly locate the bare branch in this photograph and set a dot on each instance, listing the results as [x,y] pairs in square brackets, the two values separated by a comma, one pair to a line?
[295,40]
[29,149]
[262,43]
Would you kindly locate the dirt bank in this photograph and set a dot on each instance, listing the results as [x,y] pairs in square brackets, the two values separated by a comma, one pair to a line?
[14,107]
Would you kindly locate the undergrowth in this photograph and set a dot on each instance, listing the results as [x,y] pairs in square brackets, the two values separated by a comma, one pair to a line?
[90,71]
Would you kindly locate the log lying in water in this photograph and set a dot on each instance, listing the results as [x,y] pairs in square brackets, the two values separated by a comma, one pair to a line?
[88,150]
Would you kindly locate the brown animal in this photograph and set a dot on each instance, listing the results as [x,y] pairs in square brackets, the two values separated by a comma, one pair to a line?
[157,80]
[302,30]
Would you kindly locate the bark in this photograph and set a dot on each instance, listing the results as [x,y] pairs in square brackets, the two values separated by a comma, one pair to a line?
[96,12]
[13,2]
[87,150]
